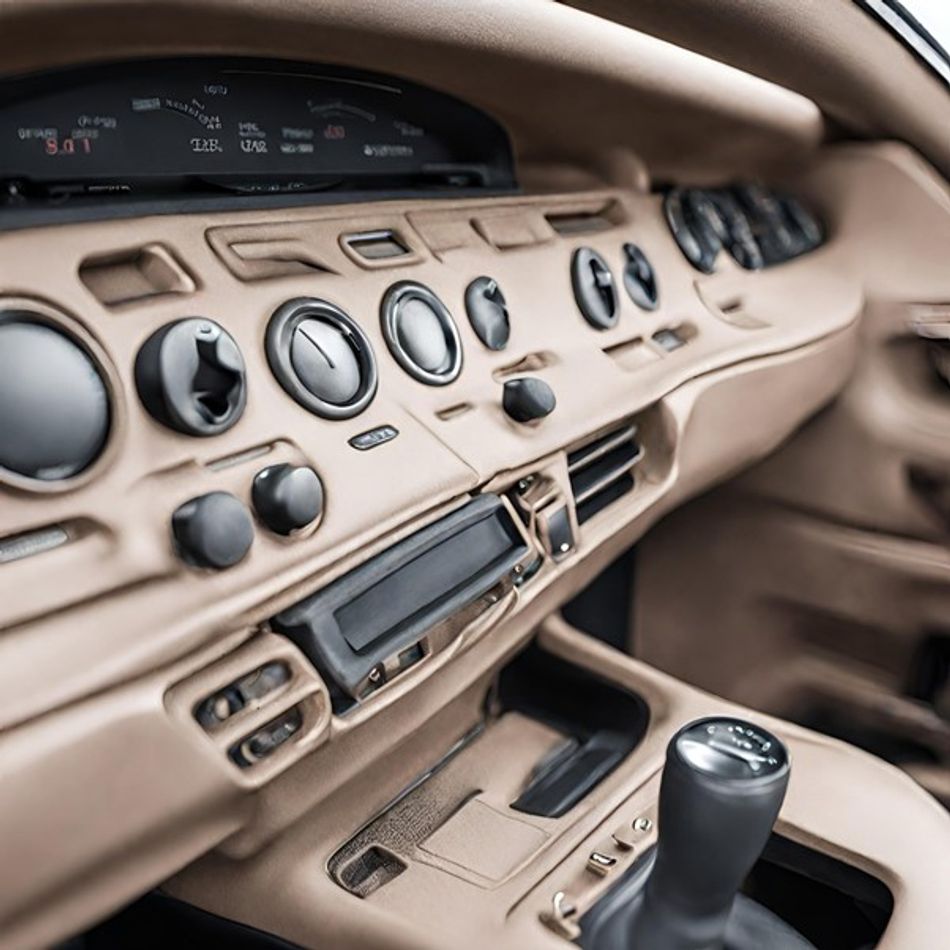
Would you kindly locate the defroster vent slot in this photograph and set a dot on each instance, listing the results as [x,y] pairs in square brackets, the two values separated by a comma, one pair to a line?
[602,470]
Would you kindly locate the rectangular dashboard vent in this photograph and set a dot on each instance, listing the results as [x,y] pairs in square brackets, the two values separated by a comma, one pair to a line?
[589,220]
[602,471]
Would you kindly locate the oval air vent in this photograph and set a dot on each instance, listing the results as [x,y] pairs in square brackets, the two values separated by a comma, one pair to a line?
[421,333]
[594,289]
[322,358]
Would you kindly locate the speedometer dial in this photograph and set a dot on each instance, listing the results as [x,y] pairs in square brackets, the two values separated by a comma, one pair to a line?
[240,125]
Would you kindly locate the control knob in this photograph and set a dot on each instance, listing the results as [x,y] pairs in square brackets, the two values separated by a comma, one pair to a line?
[190,377]
[287,497]
[527,399]
[213,530]
[488,312]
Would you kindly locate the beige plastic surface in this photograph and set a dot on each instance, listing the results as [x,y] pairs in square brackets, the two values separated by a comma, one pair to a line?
[133,605]
[844,566]
[432,906]
[93,657]
[833,51]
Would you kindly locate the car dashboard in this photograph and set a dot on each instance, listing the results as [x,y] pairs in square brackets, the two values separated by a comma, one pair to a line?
[325,384]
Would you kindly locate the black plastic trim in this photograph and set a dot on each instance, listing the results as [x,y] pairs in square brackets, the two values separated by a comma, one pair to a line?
[390,602]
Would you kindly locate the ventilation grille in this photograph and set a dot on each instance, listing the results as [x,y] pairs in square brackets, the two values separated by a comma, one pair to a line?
[569,223]
[602,471]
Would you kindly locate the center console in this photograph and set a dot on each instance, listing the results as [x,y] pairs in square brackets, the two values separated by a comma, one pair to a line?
[582,798]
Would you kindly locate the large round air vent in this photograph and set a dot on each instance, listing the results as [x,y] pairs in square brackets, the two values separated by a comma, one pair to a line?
[322,358]
[54,403]
[421,333]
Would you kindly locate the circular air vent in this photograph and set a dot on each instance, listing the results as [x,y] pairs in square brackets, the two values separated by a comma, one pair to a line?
[322,358]
[55,413]
[421,333]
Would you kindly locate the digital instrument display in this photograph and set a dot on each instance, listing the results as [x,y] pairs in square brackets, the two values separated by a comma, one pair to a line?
[244,126]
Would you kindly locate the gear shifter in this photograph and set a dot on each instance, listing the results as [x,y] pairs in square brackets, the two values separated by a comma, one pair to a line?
[721,791]
[722,787]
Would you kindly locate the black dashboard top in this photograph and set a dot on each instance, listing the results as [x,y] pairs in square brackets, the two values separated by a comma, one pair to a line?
[206,128]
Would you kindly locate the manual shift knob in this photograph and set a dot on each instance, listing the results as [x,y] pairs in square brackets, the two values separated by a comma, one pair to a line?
[721,791]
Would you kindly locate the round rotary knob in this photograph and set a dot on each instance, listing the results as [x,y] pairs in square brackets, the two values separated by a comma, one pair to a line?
[528,399]
[287,497]
[190,377]
[321,358]
[213,530]
[639,278]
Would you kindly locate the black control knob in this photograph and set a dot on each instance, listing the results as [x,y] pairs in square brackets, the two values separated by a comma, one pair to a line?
[594,288]
[527,399]
[213,530]
[54,405]
[488,312]
[722,787]
[697,226]
[287,497]
[190,377]
[639,278]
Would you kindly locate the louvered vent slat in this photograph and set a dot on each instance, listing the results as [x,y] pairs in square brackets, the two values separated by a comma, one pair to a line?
[602,470]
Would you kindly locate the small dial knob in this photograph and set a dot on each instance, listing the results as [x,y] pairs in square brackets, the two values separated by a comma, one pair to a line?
[488,312]
[639,278]
[213,530]
[594,288]
[190,377]
[287,497]
[527,399]
[697,226]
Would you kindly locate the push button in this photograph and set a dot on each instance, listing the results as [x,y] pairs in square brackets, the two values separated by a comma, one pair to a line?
[267,740]
[227,702]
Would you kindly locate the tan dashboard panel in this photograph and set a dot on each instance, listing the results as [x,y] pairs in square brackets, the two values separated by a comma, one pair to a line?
[123,576]
[825,575]
[394,738]
[603,87]
[119,611]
